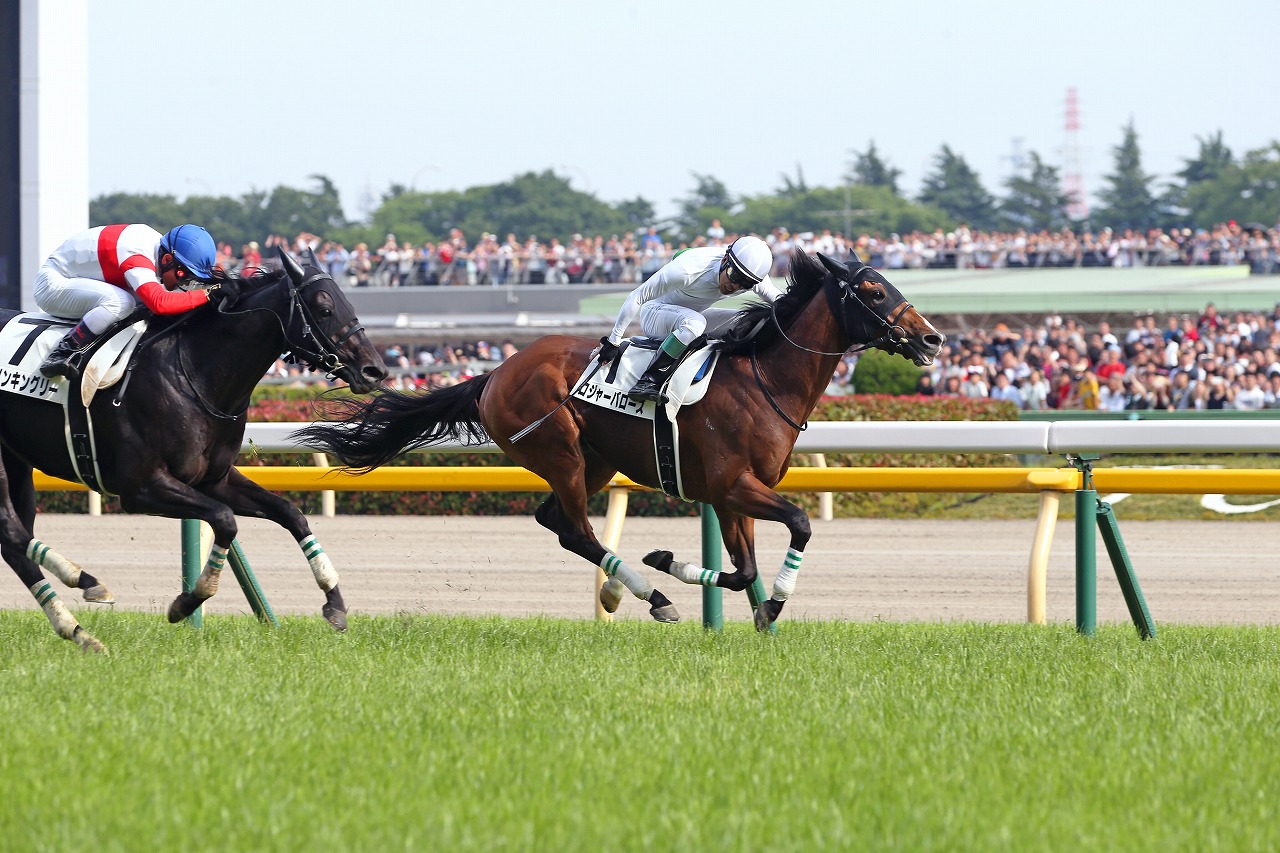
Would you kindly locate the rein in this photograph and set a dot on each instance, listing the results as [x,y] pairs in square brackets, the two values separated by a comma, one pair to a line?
[322,354]
[209,409]
[890,333]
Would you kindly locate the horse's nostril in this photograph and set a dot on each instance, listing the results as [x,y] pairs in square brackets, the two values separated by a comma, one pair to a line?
[933,340]
[375,372]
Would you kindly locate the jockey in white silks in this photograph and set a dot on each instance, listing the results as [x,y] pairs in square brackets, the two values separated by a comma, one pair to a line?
[675,303]
[98,277]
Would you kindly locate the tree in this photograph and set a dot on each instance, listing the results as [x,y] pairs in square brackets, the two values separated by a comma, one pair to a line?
[853,208]
[868,170]
[1213,159]
[1127,200]
[954,188]
[791,188]
[709,200]
[1244,191]
[1035,202]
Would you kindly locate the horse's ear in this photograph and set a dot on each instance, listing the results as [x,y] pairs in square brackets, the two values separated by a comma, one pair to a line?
[312,260]
[833,266]
[290,264]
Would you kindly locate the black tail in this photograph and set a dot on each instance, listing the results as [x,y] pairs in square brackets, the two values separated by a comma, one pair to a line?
[374,430]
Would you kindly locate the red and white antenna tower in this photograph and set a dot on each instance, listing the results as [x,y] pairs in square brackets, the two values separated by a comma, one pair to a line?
[1072,173]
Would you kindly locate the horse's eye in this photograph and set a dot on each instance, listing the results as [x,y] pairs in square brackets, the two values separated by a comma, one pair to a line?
[878,296]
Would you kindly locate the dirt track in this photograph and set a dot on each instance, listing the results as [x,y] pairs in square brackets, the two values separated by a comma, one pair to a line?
[1202,572]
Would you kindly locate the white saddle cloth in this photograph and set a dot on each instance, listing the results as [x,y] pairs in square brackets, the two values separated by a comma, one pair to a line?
[28,338]
[681,390]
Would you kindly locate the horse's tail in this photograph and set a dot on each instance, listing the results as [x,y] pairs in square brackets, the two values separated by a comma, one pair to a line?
[374,430]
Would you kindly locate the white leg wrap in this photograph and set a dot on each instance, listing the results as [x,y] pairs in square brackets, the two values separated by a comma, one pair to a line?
[615,568]
[47,558]
[693,574]
[321,566]
[59,616]
[785,583]
[207,583]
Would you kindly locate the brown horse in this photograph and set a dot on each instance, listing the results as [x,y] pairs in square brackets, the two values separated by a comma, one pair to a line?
[735,444]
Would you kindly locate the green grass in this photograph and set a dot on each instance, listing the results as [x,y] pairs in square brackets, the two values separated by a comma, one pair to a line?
[537,734]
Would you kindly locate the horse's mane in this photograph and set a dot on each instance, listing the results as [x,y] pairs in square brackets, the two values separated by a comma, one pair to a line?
[262,277]
[805,274]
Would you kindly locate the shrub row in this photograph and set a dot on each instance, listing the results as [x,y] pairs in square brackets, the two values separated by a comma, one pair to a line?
[296,405]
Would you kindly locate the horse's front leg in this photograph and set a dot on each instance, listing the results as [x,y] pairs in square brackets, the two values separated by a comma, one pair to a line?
[751,498]
[166,496]
[247,498]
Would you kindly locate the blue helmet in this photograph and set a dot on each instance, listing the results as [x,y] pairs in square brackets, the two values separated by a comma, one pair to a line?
[192,246]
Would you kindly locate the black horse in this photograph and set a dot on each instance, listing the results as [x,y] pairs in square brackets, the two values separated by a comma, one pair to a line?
[168,444]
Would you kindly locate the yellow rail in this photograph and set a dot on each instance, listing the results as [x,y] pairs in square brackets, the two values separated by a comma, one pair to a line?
[970,480]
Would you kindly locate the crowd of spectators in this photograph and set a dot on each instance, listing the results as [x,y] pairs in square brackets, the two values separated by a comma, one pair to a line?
[1174,362]
[630,258]
[1204,362]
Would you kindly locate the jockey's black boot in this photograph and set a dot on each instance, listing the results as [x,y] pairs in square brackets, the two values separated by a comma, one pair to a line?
[59,360]
[650,385]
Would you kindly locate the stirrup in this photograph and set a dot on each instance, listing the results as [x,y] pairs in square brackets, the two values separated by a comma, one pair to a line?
[647,390]
[60,364]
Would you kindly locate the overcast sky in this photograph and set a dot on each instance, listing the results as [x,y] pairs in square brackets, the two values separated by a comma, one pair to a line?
[628,99]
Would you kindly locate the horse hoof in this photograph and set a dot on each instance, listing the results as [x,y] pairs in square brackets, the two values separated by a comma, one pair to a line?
[611,594]
[660,560]
[99,594]
[665,613]
[767,613]
[182,607]
[335,617]
[88,642]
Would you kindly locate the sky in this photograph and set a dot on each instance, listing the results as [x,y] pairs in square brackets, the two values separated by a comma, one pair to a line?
[631,99]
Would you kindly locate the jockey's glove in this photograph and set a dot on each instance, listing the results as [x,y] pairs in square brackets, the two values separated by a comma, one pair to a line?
[608,350]
[224,290]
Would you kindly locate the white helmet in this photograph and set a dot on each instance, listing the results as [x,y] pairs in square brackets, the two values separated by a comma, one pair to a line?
[751,257]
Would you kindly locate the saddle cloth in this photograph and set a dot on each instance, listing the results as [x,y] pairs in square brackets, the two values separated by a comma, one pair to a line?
[27,339]
[609,386]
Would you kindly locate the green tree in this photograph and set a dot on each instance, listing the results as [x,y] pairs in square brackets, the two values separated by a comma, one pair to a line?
[709,200]
[1127,199]
[539,203]
[954,188]
[1210,162]
[1035,202]
[853,208]
[867,169]
[1244,191]
[793,187]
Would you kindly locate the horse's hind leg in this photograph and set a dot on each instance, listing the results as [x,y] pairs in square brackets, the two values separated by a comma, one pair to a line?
[565,514]
[22,493]
[15,537]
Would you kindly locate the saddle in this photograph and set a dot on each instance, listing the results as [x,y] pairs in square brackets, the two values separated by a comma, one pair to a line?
[687,385]
[27,339]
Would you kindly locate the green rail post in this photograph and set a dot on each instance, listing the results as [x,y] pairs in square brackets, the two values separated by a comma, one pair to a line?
[1120,561]
[192,562]
[249,584]
[712,547]
[1086,549]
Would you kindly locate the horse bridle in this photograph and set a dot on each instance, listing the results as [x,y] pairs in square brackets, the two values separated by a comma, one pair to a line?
[326,354]
[891,333]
